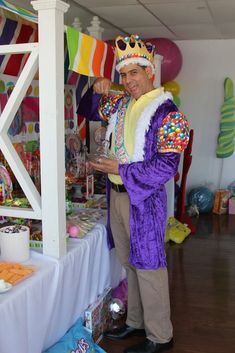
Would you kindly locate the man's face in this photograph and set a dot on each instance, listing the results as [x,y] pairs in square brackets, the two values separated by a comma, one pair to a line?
[136,80]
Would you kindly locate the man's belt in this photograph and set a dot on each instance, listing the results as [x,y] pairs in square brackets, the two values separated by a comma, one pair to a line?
[118,187]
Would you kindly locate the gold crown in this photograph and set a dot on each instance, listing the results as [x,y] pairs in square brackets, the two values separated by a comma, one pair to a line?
[133,48]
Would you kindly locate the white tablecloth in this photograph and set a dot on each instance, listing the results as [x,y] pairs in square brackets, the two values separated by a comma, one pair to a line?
[38,311]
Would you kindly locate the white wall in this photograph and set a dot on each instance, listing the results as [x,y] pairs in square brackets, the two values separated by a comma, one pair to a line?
[206,64]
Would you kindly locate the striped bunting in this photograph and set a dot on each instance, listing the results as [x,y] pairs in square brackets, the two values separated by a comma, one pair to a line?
[13,32]
[89,56]
[27,15]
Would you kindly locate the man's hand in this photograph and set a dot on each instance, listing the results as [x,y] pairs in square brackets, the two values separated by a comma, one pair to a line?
[102,85]
[105,165]
[89,168]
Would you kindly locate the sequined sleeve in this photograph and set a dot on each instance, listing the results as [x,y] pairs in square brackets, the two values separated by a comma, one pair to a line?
[108,105]
[173,135]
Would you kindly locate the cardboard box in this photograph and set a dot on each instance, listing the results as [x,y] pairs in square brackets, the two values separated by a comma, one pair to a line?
[231,205]
[97,317]
[221,201]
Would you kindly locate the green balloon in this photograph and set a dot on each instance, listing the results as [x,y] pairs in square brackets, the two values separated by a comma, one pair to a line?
[177,101]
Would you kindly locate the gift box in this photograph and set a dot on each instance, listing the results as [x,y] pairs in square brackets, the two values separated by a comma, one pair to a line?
[221,201]
[231,205]
[97,317]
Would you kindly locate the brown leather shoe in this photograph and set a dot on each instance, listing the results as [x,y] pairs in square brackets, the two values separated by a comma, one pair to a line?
[150,347]
[123,332]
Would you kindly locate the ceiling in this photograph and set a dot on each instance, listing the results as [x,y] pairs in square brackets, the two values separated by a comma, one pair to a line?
[173,19]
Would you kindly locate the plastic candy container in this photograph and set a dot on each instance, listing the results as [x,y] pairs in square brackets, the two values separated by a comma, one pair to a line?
[202,197]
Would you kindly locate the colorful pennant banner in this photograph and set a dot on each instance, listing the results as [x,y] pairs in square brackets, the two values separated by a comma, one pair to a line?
[14,32]
[27,15]
[89,56]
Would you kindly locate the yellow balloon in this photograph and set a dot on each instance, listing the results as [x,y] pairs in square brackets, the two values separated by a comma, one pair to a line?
[173,87]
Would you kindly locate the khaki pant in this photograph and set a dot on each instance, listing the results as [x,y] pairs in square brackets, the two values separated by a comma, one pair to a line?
[148,292]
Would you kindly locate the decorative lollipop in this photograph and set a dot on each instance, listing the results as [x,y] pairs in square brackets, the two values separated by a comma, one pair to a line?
[226,143]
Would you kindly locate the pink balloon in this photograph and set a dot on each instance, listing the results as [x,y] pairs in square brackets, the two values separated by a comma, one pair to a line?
[172,58]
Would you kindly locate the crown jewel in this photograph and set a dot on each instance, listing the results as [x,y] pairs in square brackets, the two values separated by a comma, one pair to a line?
[133,50]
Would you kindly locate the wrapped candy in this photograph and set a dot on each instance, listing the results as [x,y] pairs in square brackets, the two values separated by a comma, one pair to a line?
[73,230]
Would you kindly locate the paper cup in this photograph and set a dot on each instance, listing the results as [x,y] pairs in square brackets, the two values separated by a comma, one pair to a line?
[14,243]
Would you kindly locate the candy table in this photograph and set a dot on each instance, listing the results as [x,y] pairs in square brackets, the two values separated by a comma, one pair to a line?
[35,313]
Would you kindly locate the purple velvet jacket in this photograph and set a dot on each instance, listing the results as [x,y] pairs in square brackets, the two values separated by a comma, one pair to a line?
[145,184]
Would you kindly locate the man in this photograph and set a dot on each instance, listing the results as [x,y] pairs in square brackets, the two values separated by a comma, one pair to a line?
[148,134]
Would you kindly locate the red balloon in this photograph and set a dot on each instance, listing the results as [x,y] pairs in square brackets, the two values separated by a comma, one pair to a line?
[172,58]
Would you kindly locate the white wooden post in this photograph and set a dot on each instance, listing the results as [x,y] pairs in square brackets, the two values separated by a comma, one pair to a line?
[157,62]
[51,93]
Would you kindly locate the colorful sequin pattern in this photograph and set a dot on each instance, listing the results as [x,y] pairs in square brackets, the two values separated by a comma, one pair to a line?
[173,135]
[108,105]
